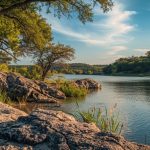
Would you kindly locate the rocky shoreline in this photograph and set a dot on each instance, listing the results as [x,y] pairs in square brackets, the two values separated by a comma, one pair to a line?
[49,129]
[19,87]
[55,130]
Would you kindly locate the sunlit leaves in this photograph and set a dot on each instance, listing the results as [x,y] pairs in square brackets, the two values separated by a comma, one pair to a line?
[22,31]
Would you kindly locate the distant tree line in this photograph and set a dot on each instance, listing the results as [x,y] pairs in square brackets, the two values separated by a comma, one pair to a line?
[130,66]
[123,66]
[79,68]
[33,71]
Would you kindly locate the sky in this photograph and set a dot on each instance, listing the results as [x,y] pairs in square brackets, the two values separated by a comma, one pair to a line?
[122,32]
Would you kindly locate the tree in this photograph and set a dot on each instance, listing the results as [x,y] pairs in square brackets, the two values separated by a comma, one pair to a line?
[23,29]
[130,65]
[51,55]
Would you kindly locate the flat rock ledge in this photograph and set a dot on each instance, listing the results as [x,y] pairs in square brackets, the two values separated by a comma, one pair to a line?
[55,130]
[8,113]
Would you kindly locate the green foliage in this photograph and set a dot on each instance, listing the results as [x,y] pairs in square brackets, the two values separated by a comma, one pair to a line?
[23,71]
[31,72]
[68,87]
[71,90]
[4,98]
[131,65]
[50,55]
[148,54]
[23,29]
[79,68]
[106,120]
[82,8]
[4,68]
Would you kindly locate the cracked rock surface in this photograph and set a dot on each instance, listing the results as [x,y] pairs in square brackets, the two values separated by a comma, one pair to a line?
[8,113]
[55,130]
[18,87]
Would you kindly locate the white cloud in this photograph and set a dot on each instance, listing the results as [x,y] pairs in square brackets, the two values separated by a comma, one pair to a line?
[116,24]
[143,50]
[115,49]
[110,28]
[110,59]
[82,37]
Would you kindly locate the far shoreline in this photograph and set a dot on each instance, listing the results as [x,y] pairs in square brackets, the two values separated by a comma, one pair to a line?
[113,75]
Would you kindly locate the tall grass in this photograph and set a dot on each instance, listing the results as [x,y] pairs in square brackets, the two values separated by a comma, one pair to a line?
[106,120]
[71,90]
[4,98]
[68,87]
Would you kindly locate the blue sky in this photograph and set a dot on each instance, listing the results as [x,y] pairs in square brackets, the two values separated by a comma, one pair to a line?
[124,31]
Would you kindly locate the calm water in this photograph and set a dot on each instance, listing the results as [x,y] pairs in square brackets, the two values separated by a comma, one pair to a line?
[132,96]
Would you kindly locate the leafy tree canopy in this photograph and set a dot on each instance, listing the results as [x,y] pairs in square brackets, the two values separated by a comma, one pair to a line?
[130,65]
[22,28]
[83,8]
[21,31]
[52,54]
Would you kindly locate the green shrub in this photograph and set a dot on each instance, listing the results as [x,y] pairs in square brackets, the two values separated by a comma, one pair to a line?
[5,99]
[71,90]
[4,67]
[106,120]
[31,72]
[34,72]
[67,87]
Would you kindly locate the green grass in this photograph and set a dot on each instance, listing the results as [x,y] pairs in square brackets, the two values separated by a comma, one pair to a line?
[106,120]
[5,99]
[71,90]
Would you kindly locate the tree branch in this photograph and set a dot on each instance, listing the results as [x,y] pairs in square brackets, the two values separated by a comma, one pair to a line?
[22,4]
[6,49]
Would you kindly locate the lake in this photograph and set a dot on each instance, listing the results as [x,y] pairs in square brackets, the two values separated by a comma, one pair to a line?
[130,94]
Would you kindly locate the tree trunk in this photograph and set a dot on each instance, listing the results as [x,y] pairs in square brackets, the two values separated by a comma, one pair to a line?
[44,72]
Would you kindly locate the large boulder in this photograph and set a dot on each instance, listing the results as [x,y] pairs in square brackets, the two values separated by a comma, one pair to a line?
[56,93]
[88,83]
[52,90]
[55,130]
[21,88]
